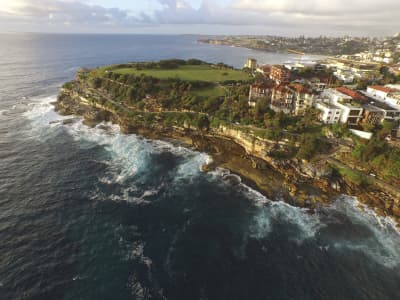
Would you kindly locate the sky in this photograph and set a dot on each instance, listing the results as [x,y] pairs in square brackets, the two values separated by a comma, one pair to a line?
[212,17]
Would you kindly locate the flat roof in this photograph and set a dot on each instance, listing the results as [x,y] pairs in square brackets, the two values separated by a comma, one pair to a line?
[377,102]
[372,107]
[352,104]
[382,105]
[328,105]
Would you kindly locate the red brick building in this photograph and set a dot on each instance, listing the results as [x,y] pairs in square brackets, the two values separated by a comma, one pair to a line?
[280,74]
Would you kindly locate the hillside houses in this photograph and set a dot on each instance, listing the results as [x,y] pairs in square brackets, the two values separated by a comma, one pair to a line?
[351,110]
[336,105]
[355,108]
[280,74]
[387,94]
[288,98]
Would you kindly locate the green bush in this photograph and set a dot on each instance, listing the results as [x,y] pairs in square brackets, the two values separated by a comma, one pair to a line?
[203,123]
[67,85]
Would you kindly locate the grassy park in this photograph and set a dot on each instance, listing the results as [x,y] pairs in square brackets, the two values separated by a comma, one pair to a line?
[204,72]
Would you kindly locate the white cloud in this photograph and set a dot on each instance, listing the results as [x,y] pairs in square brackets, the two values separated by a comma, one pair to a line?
[310,16]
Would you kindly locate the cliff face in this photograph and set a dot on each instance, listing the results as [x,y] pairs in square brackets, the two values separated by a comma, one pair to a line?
[299,182]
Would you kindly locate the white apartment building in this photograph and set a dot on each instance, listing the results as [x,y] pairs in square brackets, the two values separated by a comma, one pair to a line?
[389,94]
[330,113]
[351,112]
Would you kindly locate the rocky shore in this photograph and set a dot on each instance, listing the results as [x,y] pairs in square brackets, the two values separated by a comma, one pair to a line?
[299,183]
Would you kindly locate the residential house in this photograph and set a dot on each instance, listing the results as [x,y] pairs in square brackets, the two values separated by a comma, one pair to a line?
[379,91]
[352,111]
[251,64]
[356,96]
[280,74]
[260,90]
[302,96]
[390,113]
[330,113]
[386,94]
[264,70]
[317,85]
[373,115]
[283,99]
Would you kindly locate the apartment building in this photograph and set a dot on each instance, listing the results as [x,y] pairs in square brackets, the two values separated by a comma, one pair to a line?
[330,113]
[280,74]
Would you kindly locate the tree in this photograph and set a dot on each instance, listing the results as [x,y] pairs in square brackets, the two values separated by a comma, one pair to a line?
[311,145]
[97,83]
[261,108]
[203,123]
[194,62]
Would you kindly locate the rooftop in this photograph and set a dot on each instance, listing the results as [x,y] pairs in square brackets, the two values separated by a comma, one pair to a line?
[372,108]
[382,105]
[381,88]
[379,104]
[300,88]
[350,104]
[353,94]
[328,105]
[337,93]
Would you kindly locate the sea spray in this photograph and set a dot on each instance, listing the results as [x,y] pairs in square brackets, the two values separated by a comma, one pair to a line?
[380,240]
[130,153]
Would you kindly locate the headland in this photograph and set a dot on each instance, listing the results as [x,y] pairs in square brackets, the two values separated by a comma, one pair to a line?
[294,158]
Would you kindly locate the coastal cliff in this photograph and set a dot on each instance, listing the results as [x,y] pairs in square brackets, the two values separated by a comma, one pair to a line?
[300,182]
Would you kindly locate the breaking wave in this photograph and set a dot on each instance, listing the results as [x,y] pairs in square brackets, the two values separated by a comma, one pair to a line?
[345,225]
[377,237]
[128,155]
[131,154]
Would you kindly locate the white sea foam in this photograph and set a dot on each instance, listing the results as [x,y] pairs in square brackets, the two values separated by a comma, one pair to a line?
[219,172]
[190,168]
[380,241]
[272,213]
[382,244]
[304,224]
[129,153]
[40,112]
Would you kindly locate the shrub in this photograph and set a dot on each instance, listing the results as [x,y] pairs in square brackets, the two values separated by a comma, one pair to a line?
[203,123]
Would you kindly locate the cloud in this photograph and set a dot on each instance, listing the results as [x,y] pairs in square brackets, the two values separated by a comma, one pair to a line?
[268,16]
[315,7]
[67,12]
[338,16]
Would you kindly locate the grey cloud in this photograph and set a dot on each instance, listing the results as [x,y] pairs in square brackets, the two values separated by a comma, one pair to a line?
[73,12]
[310,16]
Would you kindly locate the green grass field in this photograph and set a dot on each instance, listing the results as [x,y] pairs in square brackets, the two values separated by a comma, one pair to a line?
[190,73]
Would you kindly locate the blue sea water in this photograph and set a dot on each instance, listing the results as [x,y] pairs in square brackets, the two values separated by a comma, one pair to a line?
[90,213]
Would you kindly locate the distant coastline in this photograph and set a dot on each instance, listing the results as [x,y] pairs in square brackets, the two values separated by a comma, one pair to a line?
[326,46]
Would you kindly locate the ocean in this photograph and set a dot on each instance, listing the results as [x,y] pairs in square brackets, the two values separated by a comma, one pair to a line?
[90,213]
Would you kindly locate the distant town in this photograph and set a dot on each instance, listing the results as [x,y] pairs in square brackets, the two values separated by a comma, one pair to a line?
[348,90]
[358,88]
[322,45]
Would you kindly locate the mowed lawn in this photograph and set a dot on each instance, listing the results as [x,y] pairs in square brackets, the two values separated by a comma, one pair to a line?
[190,73]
